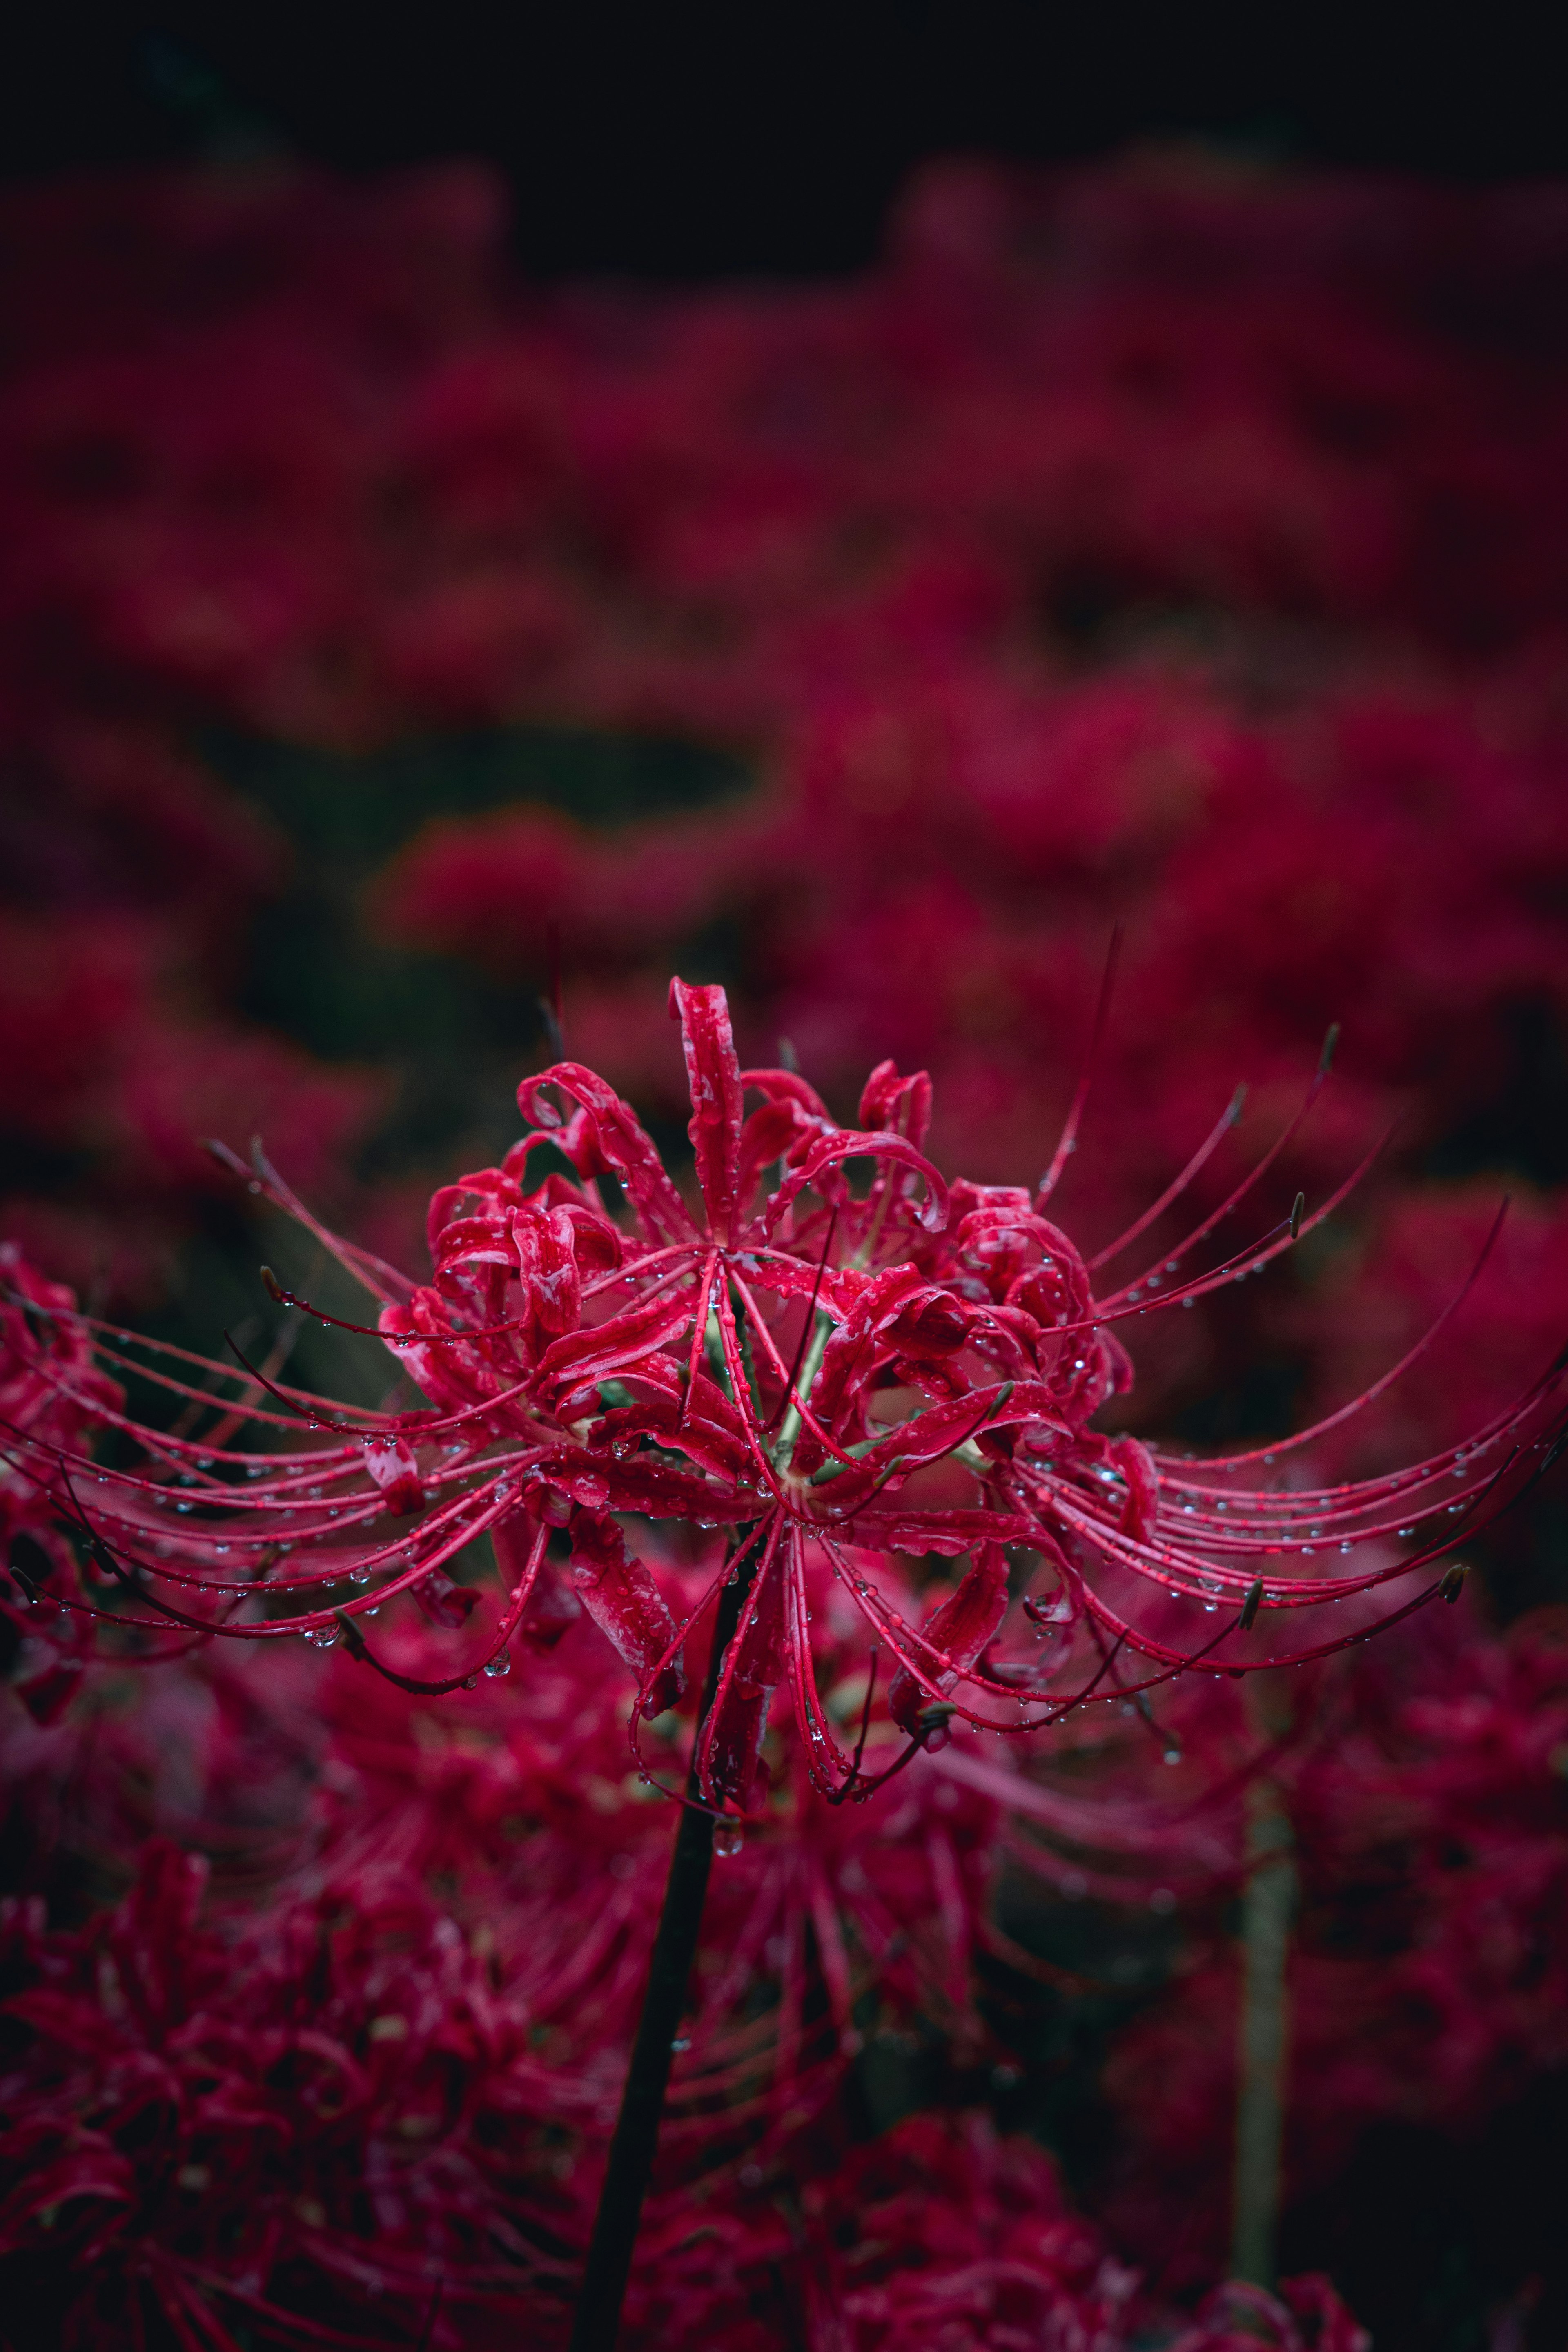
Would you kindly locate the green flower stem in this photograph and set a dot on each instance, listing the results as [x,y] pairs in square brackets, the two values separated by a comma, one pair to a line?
[1267,1908]
[789,1427]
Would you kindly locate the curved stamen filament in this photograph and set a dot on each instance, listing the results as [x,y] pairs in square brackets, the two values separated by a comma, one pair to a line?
[1068,1143]
[1173,1193]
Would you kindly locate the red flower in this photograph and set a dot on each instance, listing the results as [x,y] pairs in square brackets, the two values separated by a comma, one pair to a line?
[836,1378]
[50,1395]
[940,2233]
[267,2128]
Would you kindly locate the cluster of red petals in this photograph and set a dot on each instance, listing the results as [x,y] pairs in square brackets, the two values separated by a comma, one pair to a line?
[332,2114]
[1432,1830]
[826,1928]
[253,2135]
[940,2233]
[836,1378]
[50,1393]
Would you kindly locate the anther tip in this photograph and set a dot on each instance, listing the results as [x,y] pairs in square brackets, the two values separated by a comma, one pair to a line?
[273,1288]
[1326,1058]
[1297,1206]
[229,1161]
[1453,1582]
[1250,1606]
[352,1639]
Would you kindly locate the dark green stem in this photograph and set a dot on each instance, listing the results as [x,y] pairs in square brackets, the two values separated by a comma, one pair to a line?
[1268,1905]
[636,2139]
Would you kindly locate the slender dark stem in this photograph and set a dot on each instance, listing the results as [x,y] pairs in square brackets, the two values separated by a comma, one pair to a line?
[636,2139]
[1263,2039]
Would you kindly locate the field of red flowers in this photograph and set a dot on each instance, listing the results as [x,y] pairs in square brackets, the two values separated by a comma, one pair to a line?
[1154,573]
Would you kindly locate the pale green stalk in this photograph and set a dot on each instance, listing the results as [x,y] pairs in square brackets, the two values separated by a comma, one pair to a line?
[1267,1908]
[789,1427]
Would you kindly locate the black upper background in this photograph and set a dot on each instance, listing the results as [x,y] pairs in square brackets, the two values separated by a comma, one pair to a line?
[683,140]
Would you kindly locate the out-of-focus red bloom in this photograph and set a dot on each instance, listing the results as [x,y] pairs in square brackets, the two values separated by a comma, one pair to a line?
[50,1390]
[825,1928]
[315,2119]
[935,860]
[1105,548]
[294,2125]
[478,1848]
[941,2232]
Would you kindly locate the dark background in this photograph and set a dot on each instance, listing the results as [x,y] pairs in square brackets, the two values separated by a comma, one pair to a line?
[681,141]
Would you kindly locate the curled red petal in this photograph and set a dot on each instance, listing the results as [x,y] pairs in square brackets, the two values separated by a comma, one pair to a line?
[545,1244]
[391,1463]
[899,1105]
[730,1745]
[957,1632]
[441,1601]
[788,1085]
[619,1595]
[619,1137]
[582,1357]
[1136,1465]
[850,1143]
[713,1078]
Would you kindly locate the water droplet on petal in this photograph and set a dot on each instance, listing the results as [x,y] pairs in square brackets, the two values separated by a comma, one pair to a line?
[500,1664]
[728,1837]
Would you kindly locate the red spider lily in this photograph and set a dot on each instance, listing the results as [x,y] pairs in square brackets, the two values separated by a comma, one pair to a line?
[49,1391]
[272,2134]
[941,2232]
[295,2130]
[827,1926]
[838,1379]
